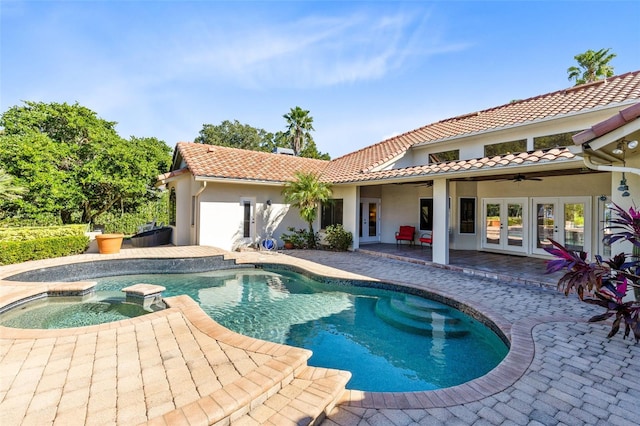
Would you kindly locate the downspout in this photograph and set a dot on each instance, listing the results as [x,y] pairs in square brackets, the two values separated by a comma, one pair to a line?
[196,217]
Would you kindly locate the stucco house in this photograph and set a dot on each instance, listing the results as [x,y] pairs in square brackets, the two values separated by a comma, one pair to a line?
[504,179]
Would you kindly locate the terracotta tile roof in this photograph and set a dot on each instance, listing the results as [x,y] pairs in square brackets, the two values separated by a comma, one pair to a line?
[615,90]
[623,117]
[231,163]
[503,161]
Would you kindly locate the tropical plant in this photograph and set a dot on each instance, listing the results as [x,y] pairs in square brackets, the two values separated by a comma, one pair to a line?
[299,127]
[592,66]
[306,193]
[606,282]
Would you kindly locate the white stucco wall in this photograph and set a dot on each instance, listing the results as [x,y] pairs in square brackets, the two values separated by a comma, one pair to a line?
[221,214]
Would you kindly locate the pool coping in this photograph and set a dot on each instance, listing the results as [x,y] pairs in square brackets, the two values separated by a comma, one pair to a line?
[512,367]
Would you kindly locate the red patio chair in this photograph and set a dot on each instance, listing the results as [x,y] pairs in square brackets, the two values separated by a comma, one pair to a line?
[405,233]
[426,238]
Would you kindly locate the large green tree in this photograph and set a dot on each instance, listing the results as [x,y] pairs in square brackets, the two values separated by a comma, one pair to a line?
[592,66]
[306,193]
[74,164]
[8,190]
[236,135]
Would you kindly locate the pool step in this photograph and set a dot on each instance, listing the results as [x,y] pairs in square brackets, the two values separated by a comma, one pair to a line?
[439,313]
[423,304]
[307,400]
[434,324]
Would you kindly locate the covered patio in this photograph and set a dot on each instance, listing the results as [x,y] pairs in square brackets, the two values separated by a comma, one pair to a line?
[505,267]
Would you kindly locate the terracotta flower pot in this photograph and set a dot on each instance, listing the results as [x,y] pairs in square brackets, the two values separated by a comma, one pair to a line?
[288,245]
[109,243]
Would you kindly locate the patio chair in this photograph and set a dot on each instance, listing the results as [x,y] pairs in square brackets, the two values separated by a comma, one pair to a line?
[426,238]
[405,233]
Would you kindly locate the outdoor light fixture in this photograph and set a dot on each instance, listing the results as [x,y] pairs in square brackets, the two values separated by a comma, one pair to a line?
[618,149]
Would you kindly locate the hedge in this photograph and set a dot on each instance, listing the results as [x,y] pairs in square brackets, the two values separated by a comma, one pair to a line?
[41,248]
[35,232]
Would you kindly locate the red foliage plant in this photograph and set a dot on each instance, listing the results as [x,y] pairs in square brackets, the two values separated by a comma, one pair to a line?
[606,282]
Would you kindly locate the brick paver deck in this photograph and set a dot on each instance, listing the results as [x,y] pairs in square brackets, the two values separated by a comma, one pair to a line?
[171,366]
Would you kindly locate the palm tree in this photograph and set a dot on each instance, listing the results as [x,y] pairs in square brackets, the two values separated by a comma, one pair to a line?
[8,191]
[593,66]
[306,193]
[299,126]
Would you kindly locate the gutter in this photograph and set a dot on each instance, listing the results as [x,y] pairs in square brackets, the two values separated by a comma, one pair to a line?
[604,168]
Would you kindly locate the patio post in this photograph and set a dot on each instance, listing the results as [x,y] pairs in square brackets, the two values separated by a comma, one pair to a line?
[441,221]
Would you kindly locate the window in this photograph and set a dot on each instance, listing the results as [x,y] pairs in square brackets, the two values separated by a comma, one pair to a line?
[331,213]
[553,141]
[440,157]
[503,148]
[467,215]
[426,214]
[193,210]
[246,219]
[172,207]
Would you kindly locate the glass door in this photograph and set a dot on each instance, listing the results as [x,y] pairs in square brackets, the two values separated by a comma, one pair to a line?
[505,224]
[369,231]
[563,220]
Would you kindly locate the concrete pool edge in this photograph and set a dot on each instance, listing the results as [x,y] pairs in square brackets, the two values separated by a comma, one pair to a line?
[504,375]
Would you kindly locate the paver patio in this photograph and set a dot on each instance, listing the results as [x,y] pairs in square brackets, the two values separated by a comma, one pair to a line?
[560,370]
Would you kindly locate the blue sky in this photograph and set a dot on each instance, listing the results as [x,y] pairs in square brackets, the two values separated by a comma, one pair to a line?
[366,70]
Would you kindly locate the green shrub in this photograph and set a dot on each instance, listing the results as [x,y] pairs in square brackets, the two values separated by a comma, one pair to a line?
[128,223]
[338,238]
[37,232]
[41,248]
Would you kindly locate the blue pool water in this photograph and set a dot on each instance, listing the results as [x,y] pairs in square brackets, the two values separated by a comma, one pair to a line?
[389,341]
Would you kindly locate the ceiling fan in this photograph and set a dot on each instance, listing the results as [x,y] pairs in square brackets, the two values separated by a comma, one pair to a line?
[520,177]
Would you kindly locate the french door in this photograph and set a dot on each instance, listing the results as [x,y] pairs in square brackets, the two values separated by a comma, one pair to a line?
[563,220]
[369,229]
[505,224]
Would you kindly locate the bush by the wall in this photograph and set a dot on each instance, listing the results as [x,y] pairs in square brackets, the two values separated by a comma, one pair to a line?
[41,248]
[338,238]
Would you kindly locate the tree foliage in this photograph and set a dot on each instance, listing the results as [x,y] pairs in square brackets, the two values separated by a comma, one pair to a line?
[592,66]
[237,135]
[306,193]
[8,190]
[74,164]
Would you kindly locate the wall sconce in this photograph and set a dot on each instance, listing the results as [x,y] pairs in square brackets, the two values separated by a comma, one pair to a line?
[632,144]
[618,149]
[268,202]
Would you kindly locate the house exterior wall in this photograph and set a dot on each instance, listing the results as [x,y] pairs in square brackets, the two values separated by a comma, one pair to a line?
[181,234]
[221,214]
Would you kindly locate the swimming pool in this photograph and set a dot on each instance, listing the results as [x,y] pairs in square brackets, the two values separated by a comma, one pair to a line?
[389,341]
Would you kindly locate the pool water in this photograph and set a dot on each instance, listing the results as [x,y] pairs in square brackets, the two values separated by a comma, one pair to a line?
[389,341]
[67,312]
